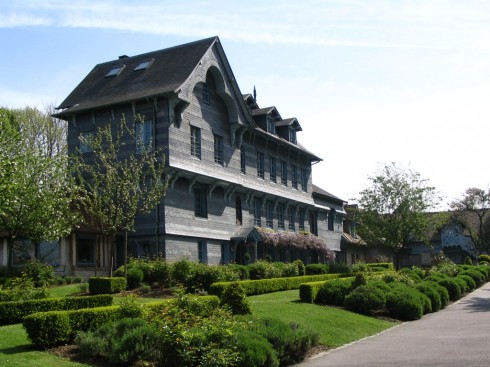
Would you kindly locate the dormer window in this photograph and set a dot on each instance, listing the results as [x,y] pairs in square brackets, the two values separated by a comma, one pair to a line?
[116,70]
[292,135]
[143,65]
[271,125]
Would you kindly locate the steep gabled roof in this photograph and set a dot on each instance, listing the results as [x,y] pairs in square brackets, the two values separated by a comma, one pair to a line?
[265,111]
[319,191]
[169,69]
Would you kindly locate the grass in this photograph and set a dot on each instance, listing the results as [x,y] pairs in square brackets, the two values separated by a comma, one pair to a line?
[17,350]
[64,290]
[335,326]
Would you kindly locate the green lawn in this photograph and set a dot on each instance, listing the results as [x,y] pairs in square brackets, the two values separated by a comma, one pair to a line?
[335,326]
[64,290]
[17,350]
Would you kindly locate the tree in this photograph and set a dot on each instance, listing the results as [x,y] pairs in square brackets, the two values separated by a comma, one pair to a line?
[116,185]
[471,213]
[394,210]
[35,187]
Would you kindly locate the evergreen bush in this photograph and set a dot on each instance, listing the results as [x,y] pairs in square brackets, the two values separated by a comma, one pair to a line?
[429,289]
[134,277]
[452,287]
[255,350]
[315,269]
[106,285]
[334,291]
[483,257]
[235,298]
[404,304]
[301,267]
[470,283]
[365,299]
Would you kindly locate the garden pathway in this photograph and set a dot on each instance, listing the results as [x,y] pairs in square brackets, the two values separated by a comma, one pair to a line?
[457,336]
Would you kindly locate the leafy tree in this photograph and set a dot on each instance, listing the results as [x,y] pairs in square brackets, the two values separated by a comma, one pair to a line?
[35,187]
[394,210]
[471,213]
[116,185]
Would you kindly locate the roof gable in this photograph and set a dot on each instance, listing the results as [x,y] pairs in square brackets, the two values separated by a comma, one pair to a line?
[169,69]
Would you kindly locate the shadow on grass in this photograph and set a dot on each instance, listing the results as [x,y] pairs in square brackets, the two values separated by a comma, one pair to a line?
[18,349]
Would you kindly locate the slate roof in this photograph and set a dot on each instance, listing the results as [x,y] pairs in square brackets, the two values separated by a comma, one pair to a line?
[290,121]
[169,70]
[320,191]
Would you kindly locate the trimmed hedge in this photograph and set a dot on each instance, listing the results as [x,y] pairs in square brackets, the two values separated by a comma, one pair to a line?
[13,312]
[47,329]
[365,299]
[315,269]
[106,285]
[405,303]
[261,286]
[309,291]
[452,287]
[386,266]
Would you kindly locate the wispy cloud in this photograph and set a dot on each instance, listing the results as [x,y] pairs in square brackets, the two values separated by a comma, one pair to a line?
[324,23]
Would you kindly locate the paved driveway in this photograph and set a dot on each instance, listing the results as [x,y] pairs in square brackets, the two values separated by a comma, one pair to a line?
[458,336]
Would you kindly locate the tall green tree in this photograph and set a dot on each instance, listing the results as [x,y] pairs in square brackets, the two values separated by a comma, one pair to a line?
[120,177]
[35,186]
[394,210]
[471,212]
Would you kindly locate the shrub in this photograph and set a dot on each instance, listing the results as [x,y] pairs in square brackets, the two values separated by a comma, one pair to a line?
[452,287]
[483,257]
[105,285]
[414,275]
[68,279]
[290,341]
[429,289]
[240,270]
[134,277]
[314,269]
[255,350]
[334,291]
[263,270]
[261,286]
[484,270]
[339,268]
[301,267]
[309,291]
[182,271]
[384,265]
[442,292]
[22,289]
[39,272]
[470,283]
[290,270]
[125,341]
[477,276]
[365,299]
[129,307]
[235,298]
[405,304]
[468,260]
[83,287]
[360,268]
[46,329]
[462,284]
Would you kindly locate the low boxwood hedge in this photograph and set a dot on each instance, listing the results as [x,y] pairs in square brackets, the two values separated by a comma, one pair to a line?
[47,329]
[13,312]
[106,285]
[261,286]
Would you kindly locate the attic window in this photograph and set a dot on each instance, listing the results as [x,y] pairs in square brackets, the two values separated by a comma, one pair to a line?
[144,65]
[116,70]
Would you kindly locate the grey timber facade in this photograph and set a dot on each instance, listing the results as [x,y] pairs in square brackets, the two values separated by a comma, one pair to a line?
[231,165]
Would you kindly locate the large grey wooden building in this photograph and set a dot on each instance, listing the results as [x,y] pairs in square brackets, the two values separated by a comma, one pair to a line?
[233,167]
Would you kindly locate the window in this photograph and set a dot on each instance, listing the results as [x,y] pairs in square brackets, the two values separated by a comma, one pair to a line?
[143,65]
[218,149]
[331,220]
[86,251]
[272,169]
[85,141]
[143,248]
[243,162]
[284,173]
[313,223]
[116,70]
[269,214]
[144,136]
[271,125]
[205,93]
[304,179]
[292,135]
[292,218]
[49,252]
[294,176]
[196,142]
[280,216]
[202,250]
[302,219]
[260,164]
[200,203]
[257,212]
[238,209]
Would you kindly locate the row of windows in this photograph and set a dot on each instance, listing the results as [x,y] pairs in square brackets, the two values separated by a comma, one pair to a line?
[281,213]
[143,134]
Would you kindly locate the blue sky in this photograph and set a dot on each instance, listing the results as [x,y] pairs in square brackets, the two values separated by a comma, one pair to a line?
[370,82]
